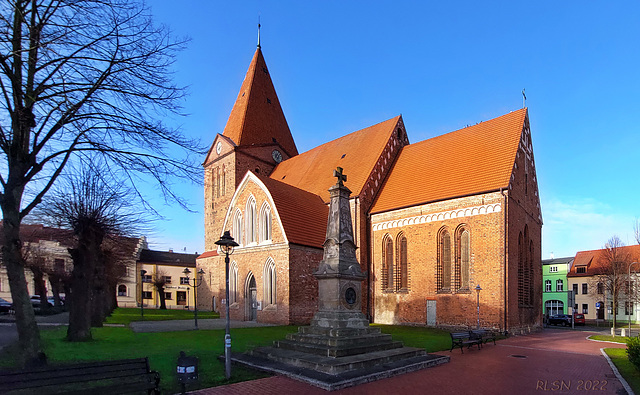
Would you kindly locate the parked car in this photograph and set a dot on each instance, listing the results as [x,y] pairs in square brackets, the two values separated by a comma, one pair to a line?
[579,319]
[4,306]
[35,301]
[560,319]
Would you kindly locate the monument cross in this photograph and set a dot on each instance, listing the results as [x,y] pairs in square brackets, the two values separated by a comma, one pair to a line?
[338,174]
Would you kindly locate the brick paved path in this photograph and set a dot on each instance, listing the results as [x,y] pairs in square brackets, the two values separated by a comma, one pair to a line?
[554,361]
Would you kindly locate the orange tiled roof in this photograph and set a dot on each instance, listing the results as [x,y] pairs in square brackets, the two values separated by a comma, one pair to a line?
[357,153]
[472,160]
[596,260]
[256,117]
[303,215]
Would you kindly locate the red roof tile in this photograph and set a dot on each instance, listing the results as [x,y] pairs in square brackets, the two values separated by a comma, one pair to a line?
[256,117]
[472,160]
[357,153]
[596,261]
[303,215]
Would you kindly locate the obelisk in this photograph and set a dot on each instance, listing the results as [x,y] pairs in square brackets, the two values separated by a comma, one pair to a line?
[339,274]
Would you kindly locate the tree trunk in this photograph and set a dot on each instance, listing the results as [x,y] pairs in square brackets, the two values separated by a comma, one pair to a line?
[163,303]
[99,299]
[28,333]
[80,297]
[40,287]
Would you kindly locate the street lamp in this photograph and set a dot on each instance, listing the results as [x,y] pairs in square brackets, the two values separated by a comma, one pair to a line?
[186,272]
[629,296]
[142,273]
[226,244]
[478,289]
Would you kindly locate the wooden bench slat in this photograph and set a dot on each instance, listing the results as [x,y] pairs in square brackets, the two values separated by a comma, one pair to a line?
[106,377]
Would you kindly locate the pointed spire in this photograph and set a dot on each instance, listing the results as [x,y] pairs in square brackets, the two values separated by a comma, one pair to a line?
[258,31]
[256,117]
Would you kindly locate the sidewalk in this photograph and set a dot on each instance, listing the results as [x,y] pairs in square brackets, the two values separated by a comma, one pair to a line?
[533,364]
[187,325]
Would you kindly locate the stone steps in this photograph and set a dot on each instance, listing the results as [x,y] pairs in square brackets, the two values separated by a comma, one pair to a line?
[339,365]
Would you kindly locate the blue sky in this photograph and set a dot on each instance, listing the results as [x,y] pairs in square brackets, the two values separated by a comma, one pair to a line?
[339,66]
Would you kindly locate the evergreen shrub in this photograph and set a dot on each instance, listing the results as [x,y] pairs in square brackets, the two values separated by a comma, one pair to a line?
[633,351]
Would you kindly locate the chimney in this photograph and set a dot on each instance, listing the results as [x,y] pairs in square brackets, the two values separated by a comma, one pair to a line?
[551,255]
[170,249]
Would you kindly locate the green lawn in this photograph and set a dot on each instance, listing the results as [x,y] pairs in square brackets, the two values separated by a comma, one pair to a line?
[609,338]
[163,348]
[626,368]
[125,316]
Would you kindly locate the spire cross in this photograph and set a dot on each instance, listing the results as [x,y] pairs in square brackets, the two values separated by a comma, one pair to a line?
[338,174]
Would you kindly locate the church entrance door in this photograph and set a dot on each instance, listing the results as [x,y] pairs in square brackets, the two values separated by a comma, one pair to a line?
[251,299]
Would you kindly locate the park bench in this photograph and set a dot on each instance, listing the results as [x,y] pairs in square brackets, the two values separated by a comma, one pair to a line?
[461,339]
[483,335]
[108,377]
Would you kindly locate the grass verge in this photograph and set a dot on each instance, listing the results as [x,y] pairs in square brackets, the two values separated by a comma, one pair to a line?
[163,349]
[126,316]
[608,338]
[627,370]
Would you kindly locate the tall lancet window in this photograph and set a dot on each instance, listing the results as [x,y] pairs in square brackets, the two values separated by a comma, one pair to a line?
[250,229]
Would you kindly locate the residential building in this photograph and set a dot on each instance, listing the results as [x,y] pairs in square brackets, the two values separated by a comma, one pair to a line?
[169,267]
[433,221]
[555,285]
[588,280]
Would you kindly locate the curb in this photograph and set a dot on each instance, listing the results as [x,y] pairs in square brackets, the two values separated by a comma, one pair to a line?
[624,383]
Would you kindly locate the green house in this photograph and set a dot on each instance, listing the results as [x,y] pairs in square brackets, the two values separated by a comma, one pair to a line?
[554,285]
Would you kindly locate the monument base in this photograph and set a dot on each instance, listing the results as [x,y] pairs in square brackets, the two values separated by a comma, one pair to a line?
[304,367]
[338,357]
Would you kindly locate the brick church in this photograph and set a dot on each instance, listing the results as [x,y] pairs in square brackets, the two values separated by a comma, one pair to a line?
[432,220]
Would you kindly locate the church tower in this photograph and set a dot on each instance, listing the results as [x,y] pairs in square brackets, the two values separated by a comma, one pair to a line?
[256,138]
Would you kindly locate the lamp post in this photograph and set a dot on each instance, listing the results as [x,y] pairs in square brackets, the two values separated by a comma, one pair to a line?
[200,273]
[142,273]
[227,244]
[629,296]
[478,289]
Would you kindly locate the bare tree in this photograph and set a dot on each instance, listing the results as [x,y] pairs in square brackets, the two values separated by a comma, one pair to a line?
[612,277]
[95,209]
[79,78]
[159,281]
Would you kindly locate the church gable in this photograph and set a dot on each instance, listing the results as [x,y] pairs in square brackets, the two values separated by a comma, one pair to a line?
[221,147]
[263,211]
[523,183]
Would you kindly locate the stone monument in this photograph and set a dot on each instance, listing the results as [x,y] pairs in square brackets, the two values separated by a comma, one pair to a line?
[339,349]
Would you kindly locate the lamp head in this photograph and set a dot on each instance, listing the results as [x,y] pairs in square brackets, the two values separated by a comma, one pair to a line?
[201,272]
[227,243]
[142,272]
[186,271]
[478,289]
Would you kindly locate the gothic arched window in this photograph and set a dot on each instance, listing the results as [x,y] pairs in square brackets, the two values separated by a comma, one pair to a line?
[402,276]
[265,223]
[250,228]
[387,265]
[444,261]
[269,282]
[236,231]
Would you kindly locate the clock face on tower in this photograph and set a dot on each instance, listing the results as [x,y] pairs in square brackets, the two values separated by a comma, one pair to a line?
[218,147]
[277,156]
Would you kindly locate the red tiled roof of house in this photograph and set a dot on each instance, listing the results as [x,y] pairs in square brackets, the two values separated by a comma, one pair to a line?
[472,160]
[303,215]
[357,153]
[595,261]
[256,117]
